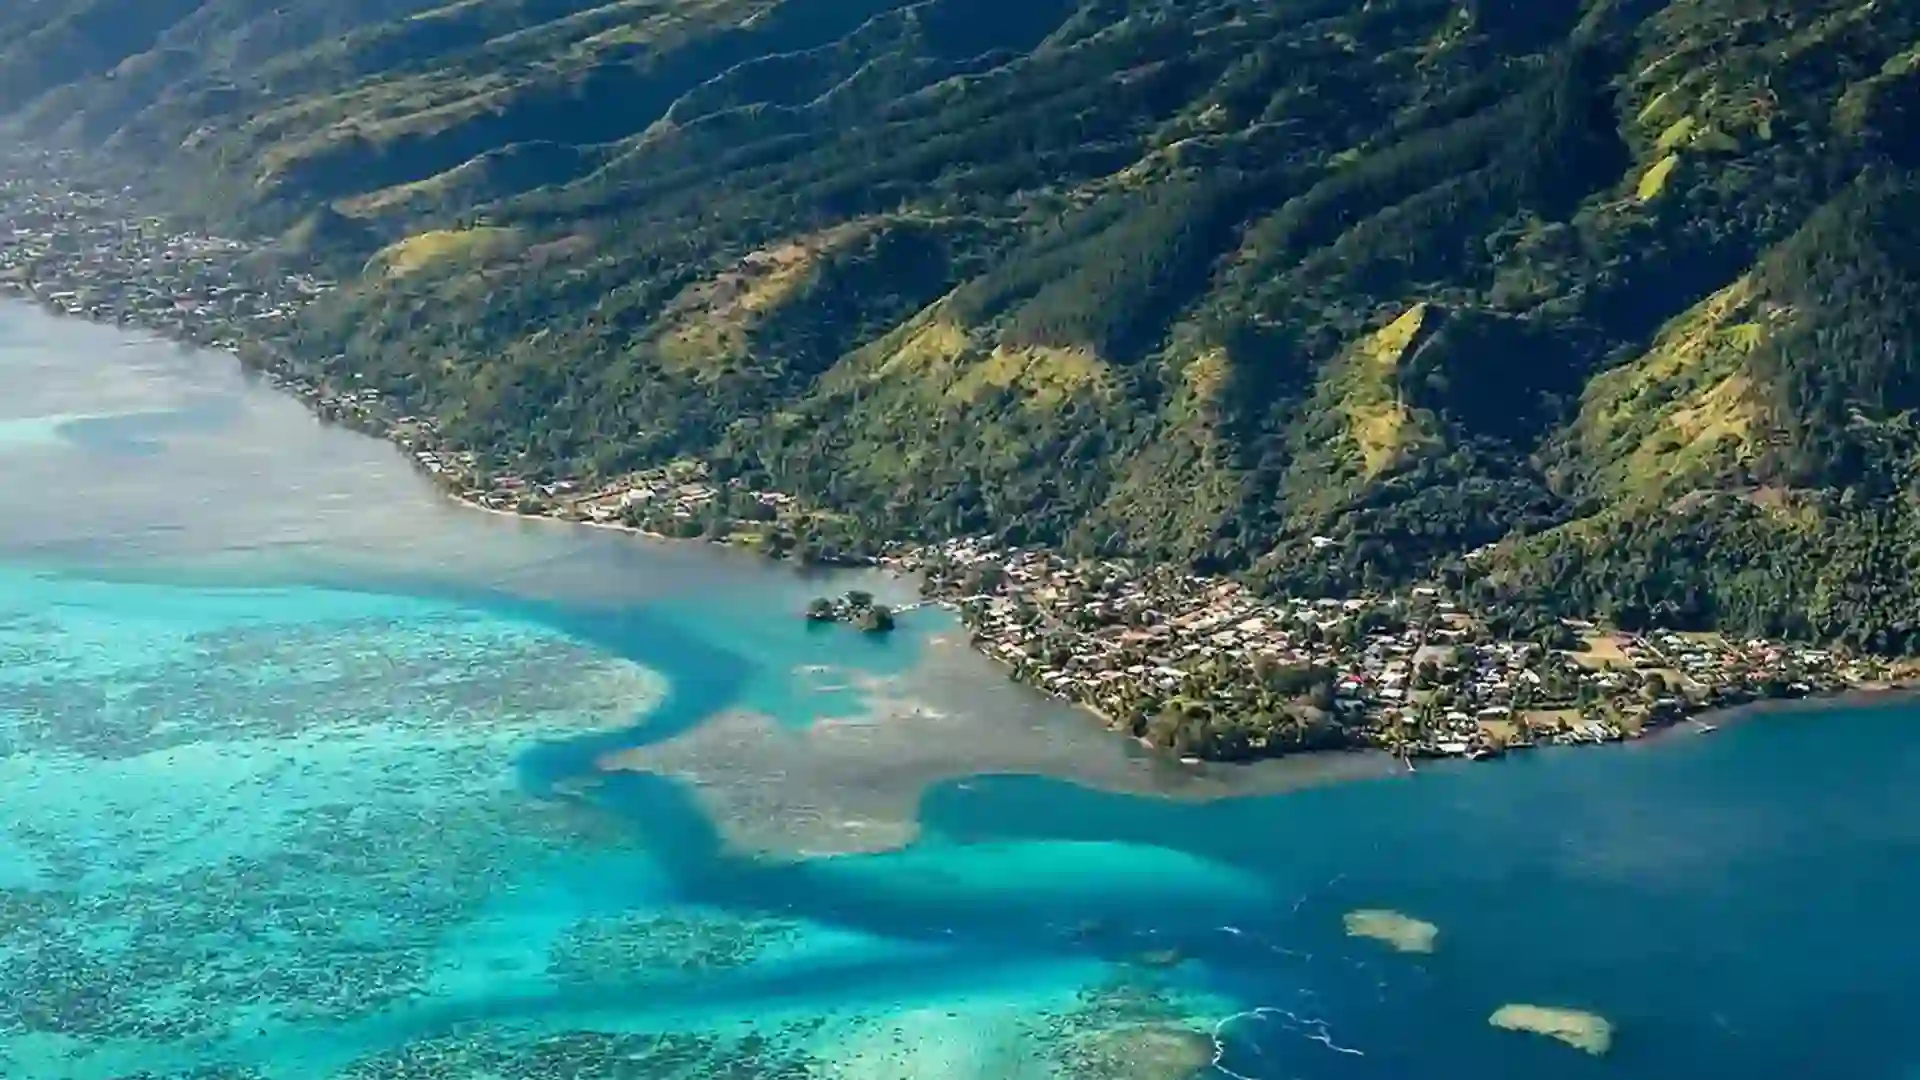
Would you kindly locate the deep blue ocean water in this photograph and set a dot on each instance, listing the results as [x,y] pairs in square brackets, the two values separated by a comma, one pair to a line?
[306,773]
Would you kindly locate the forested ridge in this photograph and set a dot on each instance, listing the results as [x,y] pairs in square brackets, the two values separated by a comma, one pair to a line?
[1607,306]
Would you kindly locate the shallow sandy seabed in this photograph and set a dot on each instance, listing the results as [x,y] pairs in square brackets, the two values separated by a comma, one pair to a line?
[1577,1028]
[1103,1030]
[854,783]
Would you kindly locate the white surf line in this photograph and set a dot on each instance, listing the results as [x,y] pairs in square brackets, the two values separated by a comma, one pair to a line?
[1308,895]
[1298,903]
[1320,1033]
[1265,944]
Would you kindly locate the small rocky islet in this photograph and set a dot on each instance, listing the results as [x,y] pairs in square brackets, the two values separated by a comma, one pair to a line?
[855,608]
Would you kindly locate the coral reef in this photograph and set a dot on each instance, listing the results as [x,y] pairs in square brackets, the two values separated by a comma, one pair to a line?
[1404,933]
[1577,1028]
[282,820]
[602,1055]
[614,948]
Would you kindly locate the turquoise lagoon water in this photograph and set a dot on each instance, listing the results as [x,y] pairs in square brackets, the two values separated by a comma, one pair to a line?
[305,773]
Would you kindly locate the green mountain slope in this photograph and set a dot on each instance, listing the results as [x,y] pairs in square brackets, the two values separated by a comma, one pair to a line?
[1620,291]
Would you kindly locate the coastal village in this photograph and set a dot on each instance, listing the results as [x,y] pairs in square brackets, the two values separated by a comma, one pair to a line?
[1202,667]
[89,255]
[1209,669]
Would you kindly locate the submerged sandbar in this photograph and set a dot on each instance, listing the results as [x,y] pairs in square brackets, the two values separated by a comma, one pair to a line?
[854,784]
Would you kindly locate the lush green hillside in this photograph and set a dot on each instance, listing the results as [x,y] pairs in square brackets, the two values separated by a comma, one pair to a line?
[1627,288]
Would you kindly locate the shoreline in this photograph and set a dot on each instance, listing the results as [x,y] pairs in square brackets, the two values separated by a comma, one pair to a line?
[454,474]
[1364,762]
[516,515]
[1888,695]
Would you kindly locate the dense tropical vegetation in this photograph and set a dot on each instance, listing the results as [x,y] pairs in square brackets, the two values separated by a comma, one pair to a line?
[1608,305]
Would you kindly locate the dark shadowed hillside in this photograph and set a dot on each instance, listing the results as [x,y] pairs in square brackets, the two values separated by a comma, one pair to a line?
[1628,289]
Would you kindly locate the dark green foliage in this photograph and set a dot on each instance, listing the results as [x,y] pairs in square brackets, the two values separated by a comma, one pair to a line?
[1883,113]
[1570,143]
[1729,564]
[72,41]
[1853,273]
[1107,273]
[1496,377]
[1115,289]
[1523,23]
[325,238]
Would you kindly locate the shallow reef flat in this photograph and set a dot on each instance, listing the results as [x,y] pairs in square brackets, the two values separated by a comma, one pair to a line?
[1057,1028]
[1075,1025]
[278,834]
[1401,932]
[113,670]
[1577,1028]
[234,811]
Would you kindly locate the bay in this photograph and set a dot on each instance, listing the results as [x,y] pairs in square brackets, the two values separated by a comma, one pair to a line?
[307,772]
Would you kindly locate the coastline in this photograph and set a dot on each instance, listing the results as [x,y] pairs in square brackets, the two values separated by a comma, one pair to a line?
[613,526]
[712,516]
[1887,695]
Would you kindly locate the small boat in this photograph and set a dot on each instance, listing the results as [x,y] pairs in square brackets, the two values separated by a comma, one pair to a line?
[1705,728]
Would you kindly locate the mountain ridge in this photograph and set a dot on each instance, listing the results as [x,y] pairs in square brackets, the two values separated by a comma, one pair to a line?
[1611,296]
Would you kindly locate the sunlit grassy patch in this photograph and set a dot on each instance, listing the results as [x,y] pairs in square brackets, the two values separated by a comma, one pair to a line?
[1654,180]
[426,249]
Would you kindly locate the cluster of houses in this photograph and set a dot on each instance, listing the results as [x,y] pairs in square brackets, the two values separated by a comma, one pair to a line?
[676,499]
[89,254]
[83,254]
[1414,673]
[652,498]
[1692,666]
